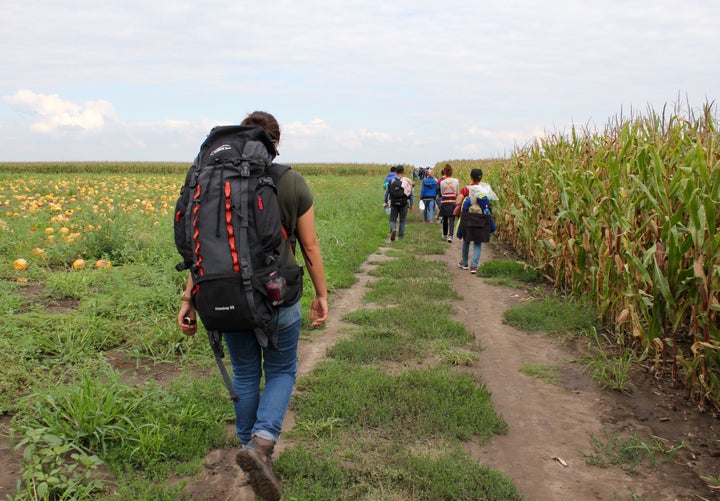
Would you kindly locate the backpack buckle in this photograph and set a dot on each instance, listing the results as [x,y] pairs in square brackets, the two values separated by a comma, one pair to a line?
[245,271]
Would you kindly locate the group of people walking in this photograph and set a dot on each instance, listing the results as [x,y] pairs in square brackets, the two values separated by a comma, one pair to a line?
[471,204]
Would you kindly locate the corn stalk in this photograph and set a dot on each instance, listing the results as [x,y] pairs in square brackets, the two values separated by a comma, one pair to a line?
[629,219]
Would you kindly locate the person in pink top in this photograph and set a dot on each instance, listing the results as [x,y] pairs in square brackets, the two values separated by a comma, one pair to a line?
[449,189]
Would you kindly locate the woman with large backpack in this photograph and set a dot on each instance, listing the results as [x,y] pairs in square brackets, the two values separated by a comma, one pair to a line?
[259,415]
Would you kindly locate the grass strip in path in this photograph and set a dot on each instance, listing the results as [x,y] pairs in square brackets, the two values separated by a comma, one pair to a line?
[383,417]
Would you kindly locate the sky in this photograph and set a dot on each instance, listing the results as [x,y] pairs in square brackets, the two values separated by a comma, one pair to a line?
[413,82]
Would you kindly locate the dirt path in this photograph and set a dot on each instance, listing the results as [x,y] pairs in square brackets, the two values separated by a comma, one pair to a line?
[550,425]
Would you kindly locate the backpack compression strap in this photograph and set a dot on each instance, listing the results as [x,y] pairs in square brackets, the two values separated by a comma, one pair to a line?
[216,344]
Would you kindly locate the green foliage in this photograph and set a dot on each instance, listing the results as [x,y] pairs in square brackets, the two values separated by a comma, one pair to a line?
[349,227]
[347,409]
[410,279]
[179,168]
[551,314]
[366,469]
[414,321]
[313,476]
[11,300]
[454,477]
[140,489]
[611,371]
[371,344]
[94,167]
[414,403]
[457,356]
[513,270]
[629,453]
[548,373]
[142,427]
[54,468]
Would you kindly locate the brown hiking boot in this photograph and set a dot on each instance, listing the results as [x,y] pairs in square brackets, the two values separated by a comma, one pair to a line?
[254,459]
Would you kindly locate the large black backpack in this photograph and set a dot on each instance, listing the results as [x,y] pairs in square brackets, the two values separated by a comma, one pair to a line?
[229,232]
[396,193]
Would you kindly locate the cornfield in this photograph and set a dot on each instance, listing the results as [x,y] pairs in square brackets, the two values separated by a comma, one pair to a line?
[628,219]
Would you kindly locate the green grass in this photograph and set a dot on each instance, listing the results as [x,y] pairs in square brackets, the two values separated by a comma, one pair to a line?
[628,453]
[63,328]
[369,426]
[60,325]
[608,365]
[547,373]
[552,314]
[143,427]
[371,344]
[410,278]
[414,320]
[365,469]
[413,403]
[509,273]
[462,357]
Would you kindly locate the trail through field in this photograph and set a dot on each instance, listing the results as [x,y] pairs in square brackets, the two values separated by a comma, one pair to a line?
[550,425]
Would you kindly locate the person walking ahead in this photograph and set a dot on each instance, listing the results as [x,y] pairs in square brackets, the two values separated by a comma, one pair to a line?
[449,189]
[400,194]
[428,194]
[475,223]
[388,179]
[259,415]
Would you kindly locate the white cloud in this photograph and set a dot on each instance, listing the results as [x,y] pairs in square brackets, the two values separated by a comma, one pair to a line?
[52,113]
[302,136]
[316,127]
[409,79]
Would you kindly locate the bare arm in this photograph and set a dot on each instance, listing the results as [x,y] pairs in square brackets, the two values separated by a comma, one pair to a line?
[187,310]
[314,264]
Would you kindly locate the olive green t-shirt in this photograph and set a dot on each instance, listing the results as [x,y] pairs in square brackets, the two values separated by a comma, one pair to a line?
[295,199]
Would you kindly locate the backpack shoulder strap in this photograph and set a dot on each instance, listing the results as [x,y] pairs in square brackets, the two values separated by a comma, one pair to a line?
[275,171]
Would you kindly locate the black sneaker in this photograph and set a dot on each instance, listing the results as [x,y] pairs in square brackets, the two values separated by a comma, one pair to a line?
[392,235]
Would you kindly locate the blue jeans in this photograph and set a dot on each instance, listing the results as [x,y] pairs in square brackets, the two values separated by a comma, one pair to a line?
[476,253]
[258,413]
[394,213]
[429,212]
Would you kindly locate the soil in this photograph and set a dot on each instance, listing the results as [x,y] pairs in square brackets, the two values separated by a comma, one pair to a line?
[550,425]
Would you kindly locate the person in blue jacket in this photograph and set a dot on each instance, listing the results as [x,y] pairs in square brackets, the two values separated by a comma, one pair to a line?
[428,194]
